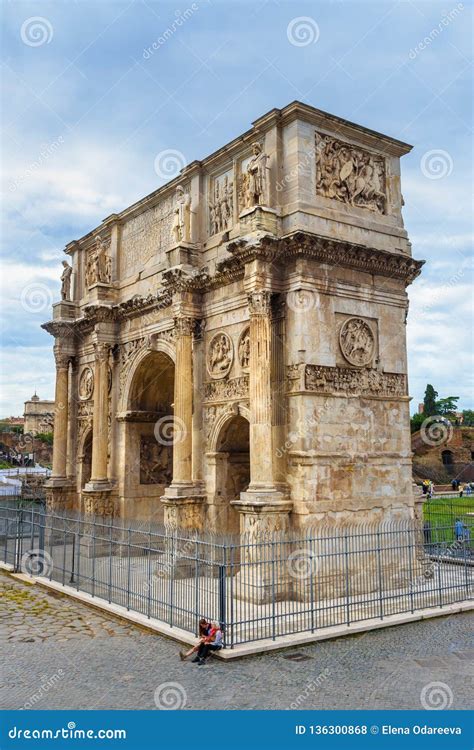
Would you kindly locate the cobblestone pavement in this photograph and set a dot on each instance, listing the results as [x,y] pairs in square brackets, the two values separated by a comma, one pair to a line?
[57,653]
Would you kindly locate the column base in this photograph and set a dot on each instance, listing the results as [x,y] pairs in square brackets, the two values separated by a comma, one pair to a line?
[184,507]
[263,575]
[97,500]
[60,494]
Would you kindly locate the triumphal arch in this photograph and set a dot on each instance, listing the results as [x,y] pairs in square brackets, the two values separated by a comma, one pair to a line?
[231,349]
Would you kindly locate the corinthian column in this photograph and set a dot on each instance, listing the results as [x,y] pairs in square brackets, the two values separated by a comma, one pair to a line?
[60,412]
[183,402]
[261,455]
[183,499]
[100,414]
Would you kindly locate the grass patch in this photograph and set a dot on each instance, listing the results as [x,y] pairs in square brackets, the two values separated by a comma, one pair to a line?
[442,512]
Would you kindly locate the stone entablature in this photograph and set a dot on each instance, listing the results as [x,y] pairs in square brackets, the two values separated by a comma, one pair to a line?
[201,329]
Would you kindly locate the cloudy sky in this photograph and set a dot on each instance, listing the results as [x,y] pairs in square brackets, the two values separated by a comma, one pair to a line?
[93,93]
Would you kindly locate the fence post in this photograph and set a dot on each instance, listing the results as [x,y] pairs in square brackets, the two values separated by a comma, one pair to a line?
[222,602]
[73,558]
[379,567]
[19,530]
[231,624]
[346,568]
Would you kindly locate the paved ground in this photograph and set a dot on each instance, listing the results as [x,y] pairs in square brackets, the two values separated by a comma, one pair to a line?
[59,654]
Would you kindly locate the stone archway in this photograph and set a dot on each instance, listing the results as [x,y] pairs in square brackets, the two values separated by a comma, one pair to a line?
[148,437]
[232,472]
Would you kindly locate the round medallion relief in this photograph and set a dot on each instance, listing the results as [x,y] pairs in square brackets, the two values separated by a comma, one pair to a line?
[357,342]
[86,384]
[244,349]
[220,355]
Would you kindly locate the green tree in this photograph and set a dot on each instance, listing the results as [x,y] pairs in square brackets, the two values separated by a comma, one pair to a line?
[45,437]
[416,421]
[429,401]
[447,406]
[468,417]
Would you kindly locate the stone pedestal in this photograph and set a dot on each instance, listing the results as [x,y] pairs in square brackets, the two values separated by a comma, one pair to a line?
[259,218]
[183,255]
[64,310]
[99,293]
[264,524]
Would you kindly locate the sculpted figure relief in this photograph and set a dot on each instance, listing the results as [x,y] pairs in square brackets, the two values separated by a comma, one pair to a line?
[66,282]
[357,342]
[182,216]
[220,356]
[86,384]
[98,267]
[244,349]
[221,205]
[350,175]
[254,185]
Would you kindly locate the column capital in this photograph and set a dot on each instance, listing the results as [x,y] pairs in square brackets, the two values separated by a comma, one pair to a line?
[184,325]
[259,302]
[61,357]
[101,351]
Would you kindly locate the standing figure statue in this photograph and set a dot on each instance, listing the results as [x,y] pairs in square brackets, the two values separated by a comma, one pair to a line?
[257,178]
[66,282]
[182,216]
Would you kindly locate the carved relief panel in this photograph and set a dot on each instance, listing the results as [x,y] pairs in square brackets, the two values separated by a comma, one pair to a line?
[356,341]
[220,355]
[86,384]
[349,174]
[156,461]
[244,349]
[221,203]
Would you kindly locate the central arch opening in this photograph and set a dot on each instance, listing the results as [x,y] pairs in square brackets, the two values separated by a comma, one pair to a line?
[233,471]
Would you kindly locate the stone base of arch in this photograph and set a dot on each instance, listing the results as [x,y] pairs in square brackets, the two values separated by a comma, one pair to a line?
[263,576]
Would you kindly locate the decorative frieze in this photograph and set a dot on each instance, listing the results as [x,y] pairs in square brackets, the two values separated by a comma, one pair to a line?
[356,382]
[156,462]
[220,390]
[349,174]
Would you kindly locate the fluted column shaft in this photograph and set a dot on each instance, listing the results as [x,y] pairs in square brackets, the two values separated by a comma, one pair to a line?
[60,413]
[183,402]
[100,414]
[261,460]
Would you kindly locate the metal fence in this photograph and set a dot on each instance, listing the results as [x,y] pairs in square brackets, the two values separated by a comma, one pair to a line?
[257,588]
